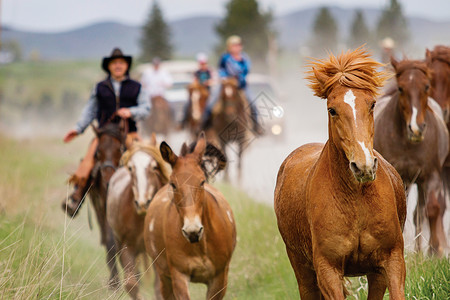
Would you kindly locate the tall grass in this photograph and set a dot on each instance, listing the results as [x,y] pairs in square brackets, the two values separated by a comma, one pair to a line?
[44,255]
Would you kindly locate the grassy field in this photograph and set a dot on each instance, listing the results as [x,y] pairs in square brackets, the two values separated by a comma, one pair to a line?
[44,255]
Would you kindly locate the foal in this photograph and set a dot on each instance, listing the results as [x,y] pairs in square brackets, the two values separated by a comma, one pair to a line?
[340,206]
[189,229]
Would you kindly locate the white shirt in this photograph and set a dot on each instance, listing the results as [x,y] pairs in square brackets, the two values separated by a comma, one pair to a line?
[155,82]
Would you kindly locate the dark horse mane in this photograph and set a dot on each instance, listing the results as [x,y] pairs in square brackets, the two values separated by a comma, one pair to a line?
[441,53]
[212,156]
[111,129]
[405,65]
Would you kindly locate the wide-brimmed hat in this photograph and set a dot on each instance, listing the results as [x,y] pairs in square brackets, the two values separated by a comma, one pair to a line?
[116,53]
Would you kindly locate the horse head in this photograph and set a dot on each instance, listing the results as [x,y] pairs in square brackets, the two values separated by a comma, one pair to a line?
[111,139]
[198,95]
[349,82]
[438,61]
[148,172]
[413,81]
[187,184]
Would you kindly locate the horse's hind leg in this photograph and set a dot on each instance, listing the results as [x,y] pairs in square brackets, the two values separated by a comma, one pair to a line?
[128,261]
[418,216]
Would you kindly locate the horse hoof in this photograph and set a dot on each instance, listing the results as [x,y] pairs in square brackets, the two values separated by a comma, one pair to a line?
[114,284]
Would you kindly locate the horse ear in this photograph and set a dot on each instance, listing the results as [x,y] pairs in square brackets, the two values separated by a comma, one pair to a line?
[184,150]
[428,56]
[167,154]
[321,78]
[153,141]
[201,145]
[213,161]
[394,62]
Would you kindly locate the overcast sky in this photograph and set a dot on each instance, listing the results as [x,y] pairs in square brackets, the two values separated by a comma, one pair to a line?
[59,15]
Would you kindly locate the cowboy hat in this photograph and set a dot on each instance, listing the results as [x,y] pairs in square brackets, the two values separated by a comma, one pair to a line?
[116,53]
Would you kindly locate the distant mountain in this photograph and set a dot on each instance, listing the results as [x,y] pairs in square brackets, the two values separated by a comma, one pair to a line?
[194,34]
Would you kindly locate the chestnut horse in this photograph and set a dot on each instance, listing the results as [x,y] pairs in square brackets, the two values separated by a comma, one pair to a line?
[340,206]
[231,120]
[189,228]
[198,97]
[438,60]
[413,137]
[130,192]
[111,140]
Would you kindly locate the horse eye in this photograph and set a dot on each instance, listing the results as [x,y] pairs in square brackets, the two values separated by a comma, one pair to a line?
[173,185]
[202,183]
[427,87]
[372,107]
[400,89]
[130,168]
[332,112]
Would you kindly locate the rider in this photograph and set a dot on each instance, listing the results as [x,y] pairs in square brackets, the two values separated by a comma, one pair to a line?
[156,80]
[203,76]
[234,63]
[117,94]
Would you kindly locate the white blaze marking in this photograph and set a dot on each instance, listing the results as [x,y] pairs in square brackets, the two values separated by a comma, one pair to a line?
[141,161]
[410,77]
[349,98]
[228,91]
[151,226]
[414,125]
[229,216]
[196,105]
[153,247]
[369,161]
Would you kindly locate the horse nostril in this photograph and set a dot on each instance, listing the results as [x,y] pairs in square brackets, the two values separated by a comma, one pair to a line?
[136,203]
[148,202]
[375,164]
[354,168]
[422,126]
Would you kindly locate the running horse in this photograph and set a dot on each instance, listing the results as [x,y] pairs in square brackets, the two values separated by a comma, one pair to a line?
[131,189]
[189,228]
[438,60]
[198,97]
[411,134]
[111,141]
[231,120]
[160,120]
[340,206]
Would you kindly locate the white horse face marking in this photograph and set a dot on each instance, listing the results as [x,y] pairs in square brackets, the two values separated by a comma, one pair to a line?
[195,98]
[349,98]
[229,91]
[413,122]
[139,164]
[369,160]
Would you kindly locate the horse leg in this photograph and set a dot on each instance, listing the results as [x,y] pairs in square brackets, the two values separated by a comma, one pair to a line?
[240,161]
[418,216]
[435,207]
[180,285]
[395,274]
[377,286]
[166,288]
[128,261]
[329,279]
[217,287]
[111,252]
[157,285]
[306,278]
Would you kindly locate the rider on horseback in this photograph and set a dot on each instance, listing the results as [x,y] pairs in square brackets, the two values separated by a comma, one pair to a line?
[234,63]
[156,80]
[117,95]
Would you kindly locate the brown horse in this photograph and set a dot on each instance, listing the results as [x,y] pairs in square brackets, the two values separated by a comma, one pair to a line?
[189,228]
[111,139]
[340,206]
[130,192]
[231,120]
[160,120]
[198,97]
[438,60]
[414,139]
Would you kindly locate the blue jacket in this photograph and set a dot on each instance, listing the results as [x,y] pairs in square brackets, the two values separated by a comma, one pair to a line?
[229,67]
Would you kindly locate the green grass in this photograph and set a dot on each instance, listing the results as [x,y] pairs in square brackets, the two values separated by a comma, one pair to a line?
[43,255]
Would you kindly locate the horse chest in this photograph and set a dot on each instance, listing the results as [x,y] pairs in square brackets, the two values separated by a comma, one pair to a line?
[200,268]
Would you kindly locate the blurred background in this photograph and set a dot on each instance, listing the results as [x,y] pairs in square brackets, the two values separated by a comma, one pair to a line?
[51,50]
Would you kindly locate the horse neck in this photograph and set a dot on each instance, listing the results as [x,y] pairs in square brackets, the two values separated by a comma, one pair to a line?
[394,117]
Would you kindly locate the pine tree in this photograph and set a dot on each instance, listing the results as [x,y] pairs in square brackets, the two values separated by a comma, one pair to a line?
[393,24]
[244,18]
[359,32]
[155,39]
[324,33]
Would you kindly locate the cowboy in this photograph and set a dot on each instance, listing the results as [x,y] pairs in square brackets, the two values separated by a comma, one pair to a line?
[203,73]
[117,95]
[234,63]
[156,80]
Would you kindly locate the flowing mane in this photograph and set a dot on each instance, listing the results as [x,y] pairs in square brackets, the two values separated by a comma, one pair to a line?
[441,53]
[404,65]
[353,69]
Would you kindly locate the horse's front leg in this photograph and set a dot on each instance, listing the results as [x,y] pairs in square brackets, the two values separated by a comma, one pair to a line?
[217,287]
[418,216]
[180,284]
[395,274]
[128,260]
[111,252]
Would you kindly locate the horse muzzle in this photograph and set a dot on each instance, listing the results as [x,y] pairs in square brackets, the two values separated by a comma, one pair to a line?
[364,173]
[193,234]
[416,135]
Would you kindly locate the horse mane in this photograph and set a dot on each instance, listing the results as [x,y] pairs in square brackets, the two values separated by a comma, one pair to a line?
[353,69]
[405,65]
[111,129]
[153,151]
[441,53]
[211,153]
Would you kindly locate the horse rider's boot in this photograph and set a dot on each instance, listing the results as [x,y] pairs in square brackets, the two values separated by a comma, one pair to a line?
[80,181]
